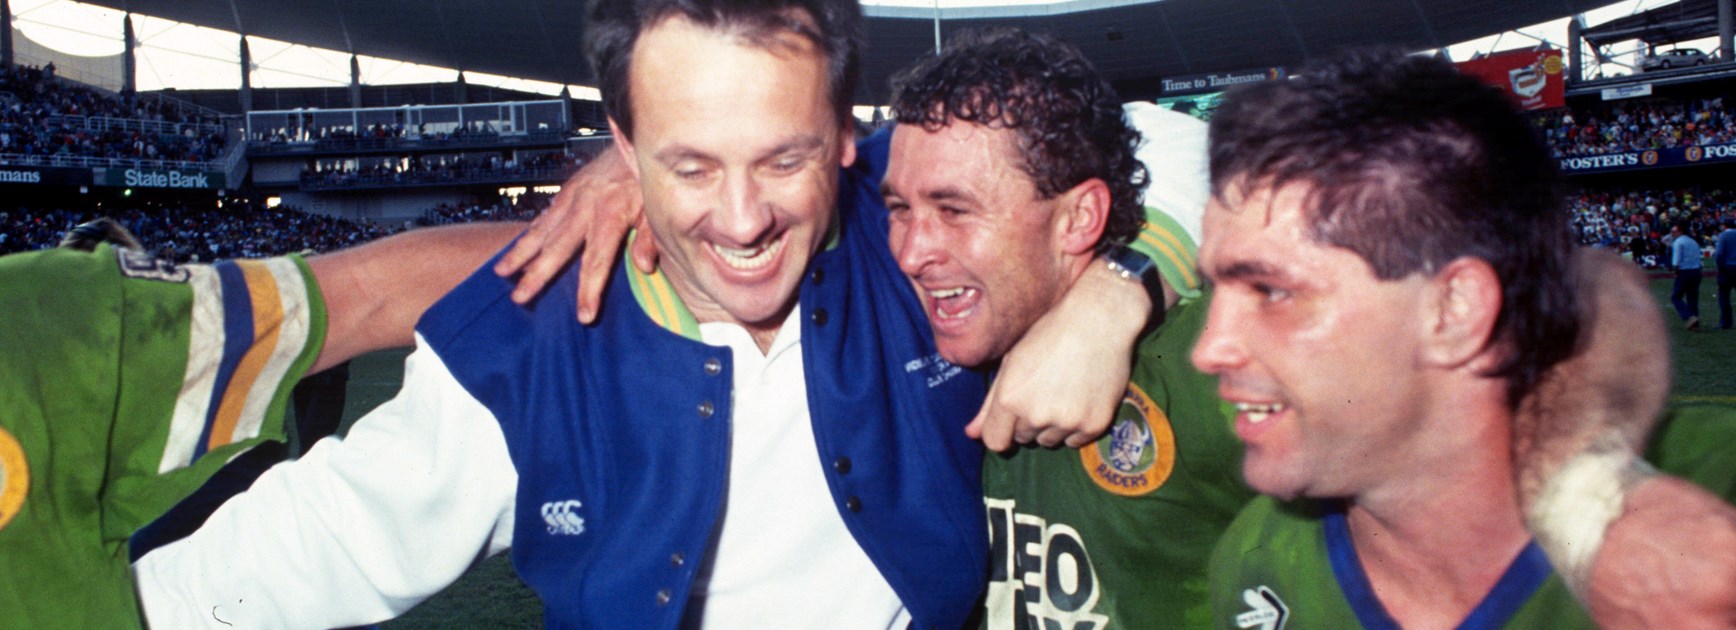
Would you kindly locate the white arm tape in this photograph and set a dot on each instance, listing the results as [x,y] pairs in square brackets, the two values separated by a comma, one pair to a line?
[1579,502]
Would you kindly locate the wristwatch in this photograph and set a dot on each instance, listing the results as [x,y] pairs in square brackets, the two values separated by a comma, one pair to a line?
[1136,267]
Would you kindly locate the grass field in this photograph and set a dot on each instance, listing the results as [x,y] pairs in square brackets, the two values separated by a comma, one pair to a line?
[490,596]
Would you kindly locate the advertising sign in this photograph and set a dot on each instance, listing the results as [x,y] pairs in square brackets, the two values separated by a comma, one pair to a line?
[1533,78]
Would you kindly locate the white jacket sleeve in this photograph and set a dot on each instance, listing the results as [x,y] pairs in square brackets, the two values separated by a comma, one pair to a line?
[358,530]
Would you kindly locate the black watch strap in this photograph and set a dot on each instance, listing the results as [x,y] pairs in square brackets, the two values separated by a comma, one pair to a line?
[1136,267]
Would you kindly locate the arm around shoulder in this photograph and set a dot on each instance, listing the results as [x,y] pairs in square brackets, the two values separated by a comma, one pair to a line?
[374,293]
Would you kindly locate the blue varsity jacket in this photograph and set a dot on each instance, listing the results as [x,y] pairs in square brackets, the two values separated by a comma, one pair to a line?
[625,424]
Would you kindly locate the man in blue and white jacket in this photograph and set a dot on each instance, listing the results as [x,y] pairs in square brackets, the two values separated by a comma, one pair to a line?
[761,434]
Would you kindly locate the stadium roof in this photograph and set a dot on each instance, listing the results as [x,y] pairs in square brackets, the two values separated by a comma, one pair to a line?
[1685,20]
[1134,43]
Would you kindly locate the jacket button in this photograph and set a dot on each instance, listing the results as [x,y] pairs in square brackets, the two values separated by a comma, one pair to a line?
[663,597]
[853,504]
[818,276]
[677,559]
[713,366]
[705,409]
[842,465]
[820,317]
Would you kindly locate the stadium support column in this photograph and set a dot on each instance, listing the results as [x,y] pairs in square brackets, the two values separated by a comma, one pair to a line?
[130,59]
[6,34]
[246,76]
[1575,47]
[355,82]
[461,90]
[1726,24]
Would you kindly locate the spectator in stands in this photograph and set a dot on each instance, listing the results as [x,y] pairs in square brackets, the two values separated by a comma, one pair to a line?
[1724,258]
[1685,258]
[1637,127]
[41,115]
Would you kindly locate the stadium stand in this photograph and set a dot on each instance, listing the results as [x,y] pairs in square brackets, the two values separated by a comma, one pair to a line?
[1615,128]
[438,169]
[46,119]
[1636,222]
[243,229]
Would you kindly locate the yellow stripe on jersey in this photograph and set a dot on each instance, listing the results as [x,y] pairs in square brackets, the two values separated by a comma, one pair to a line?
[289,316]
[267,312]
[204,359]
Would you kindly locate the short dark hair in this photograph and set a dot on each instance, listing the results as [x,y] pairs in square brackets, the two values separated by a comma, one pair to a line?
[1410,166]
[612,28]
[89,234]
[1068,119]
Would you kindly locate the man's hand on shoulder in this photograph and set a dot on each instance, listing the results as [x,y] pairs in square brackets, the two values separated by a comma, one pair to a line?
[588,218]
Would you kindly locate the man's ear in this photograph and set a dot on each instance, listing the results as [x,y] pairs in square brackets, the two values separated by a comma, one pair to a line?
[625,147]
[1464,302]
[847,145]
[1081,216]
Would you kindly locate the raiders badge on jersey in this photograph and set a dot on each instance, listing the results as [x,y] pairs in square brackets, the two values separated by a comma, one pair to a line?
[1138,454]
[137,264]
[14,477]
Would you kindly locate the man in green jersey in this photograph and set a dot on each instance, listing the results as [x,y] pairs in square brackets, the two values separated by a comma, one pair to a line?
[1392,279]
[1010,158]
[128,381]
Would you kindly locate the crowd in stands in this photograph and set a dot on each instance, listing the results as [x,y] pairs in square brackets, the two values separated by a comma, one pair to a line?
[376,131]
[42,115]
[524,208]
[241,229]
[440,169]
[1637,222]
[1636,126]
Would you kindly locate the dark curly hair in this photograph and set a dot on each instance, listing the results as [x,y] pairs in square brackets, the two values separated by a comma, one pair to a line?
[1068,119]
[1412,165]
[612,27]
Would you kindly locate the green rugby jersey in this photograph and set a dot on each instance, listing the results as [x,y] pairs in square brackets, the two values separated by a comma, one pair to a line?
[1116,534]
[1293,566]
[1697,441]
[127,382]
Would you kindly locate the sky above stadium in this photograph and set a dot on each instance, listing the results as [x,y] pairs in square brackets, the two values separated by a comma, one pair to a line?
[184,56]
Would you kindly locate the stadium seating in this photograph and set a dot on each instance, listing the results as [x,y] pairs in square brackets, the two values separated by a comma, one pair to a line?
[1636,126]
[43,117]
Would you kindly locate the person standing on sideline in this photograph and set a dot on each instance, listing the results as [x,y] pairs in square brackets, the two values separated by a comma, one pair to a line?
[1685,258]
[1724,258]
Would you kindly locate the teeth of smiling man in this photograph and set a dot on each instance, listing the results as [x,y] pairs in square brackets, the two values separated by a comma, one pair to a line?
[751,258]
[1258,412]
[943,298]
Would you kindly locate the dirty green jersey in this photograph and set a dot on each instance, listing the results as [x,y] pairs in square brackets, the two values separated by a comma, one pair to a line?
[125,383]
[1292,565]
[1116,534]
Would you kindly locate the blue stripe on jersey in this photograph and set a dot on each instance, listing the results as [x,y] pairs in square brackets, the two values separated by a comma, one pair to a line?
[1517,585]
[1348,569]
[237,338]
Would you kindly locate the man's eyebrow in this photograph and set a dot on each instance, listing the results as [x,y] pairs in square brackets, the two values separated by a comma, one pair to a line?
[1246,269]
[678,151]
[944,193]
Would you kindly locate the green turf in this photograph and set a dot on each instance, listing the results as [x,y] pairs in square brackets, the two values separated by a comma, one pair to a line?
[1703,359]
[490,596]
